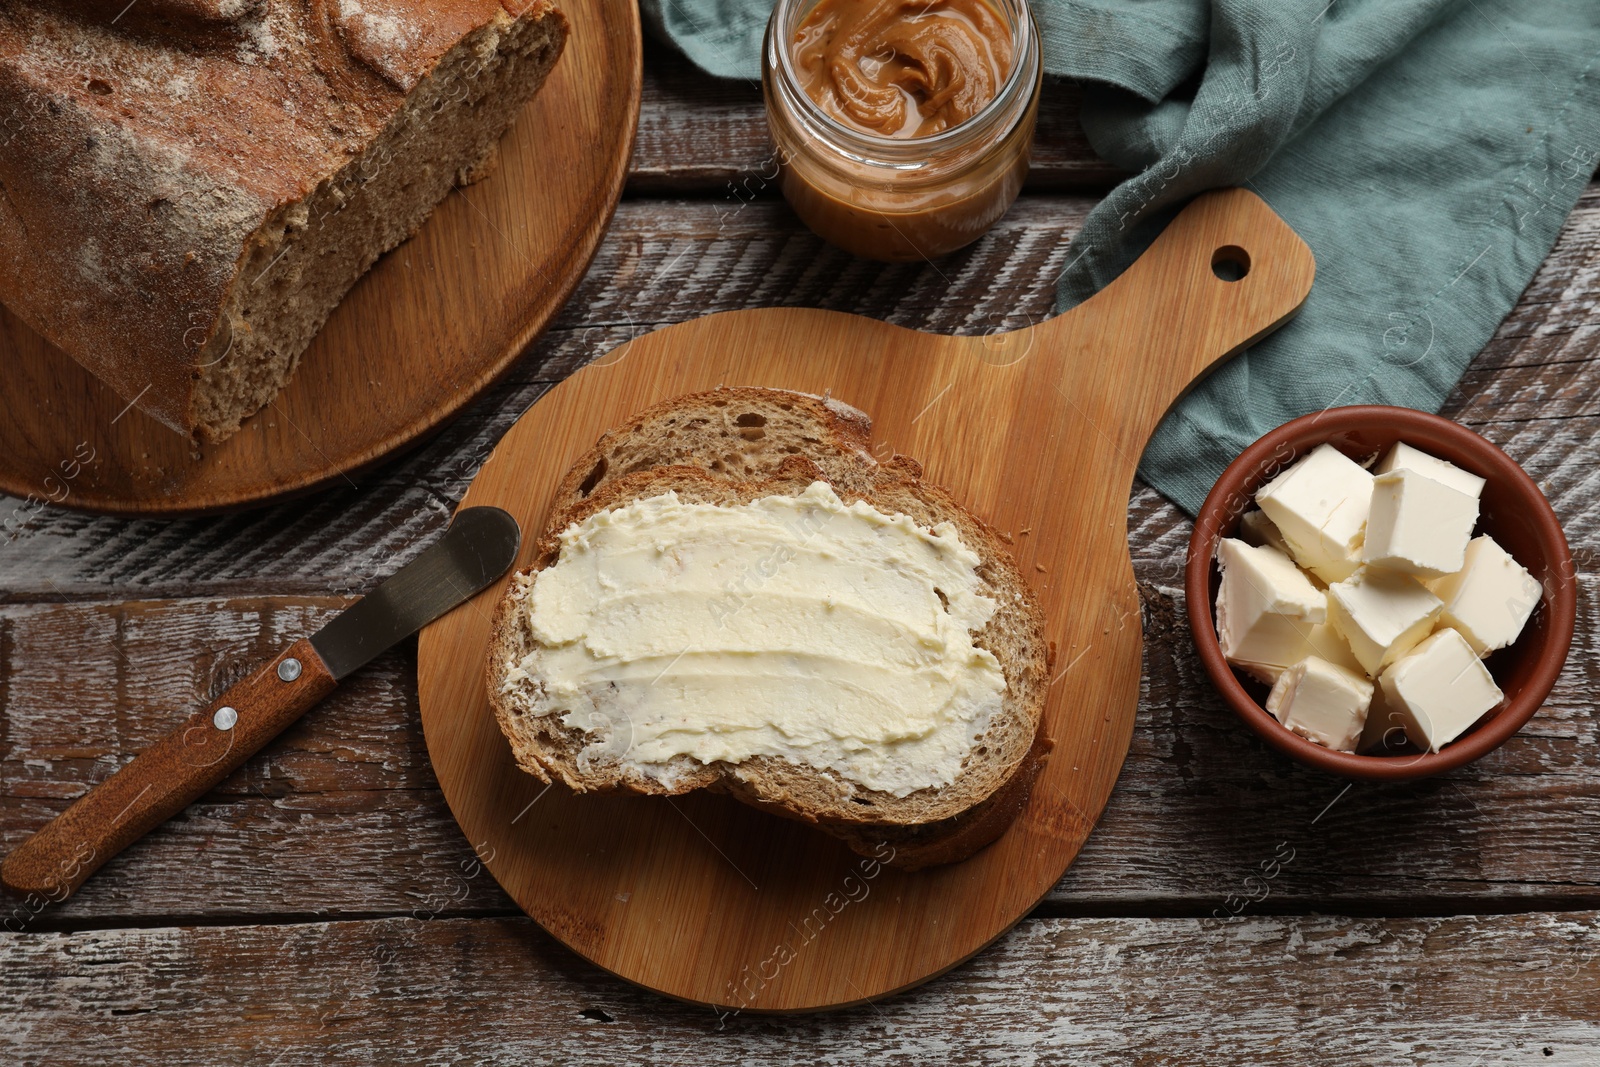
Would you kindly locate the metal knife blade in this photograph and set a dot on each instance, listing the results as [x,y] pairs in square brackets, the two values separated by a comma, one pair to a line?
[479,547]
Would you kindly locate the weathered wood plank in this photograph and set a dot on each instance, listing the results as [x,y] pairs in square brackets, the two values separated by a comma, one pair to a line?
[1462,991]
[1533,391]
[342,814]
[707,136]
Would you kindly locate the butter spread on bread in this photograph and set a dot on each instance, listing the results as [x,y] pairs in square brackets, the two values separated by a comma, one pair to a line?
[792,626]
[731,447]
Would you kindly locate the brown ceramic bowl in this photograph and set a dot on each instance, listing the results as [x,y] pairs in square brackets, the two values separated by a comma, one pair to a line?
[1513,511]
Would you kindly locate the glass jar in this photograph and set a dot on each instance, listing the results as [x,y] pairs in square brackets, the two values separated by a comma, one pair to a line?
[900,199]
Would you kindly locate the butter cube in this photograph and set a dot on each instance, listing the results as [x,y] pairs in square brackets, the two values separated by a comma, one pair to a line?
[1418,525]
[1404,457]
[1490,598]
[1322,641]
[1320,506]
[1266,607]
[1382,614]
[1322,702]
[1439,689]
[1256,529]
[1327,642]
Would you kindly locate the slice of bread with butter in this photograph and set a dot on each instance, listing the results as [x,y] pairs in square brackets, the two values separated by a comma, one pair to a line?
[778,616]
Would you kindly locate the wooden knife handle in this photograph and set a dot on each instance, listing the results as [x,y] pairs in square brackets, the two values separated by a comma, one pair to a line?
[169,775]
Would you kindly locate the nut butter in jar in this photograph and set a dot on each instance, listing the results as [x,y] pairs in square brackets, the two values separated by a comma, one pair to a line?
[902,126]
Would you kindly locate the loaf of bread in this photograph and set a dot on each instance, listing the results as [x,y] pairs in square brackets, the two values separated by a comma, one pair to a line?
[191,186]
[731,447]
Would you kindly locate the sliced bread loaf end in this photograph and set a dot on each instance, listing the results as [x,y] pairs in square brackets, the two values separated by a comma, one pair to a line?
[191,189]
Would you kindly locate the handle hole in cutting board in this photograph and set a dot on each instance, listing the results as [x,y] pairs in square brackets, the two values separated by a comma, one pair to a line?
[1230,263]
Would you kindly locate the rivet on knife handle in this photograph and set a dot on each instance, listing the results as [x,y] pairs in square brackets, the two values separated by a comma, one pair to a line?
[169,775]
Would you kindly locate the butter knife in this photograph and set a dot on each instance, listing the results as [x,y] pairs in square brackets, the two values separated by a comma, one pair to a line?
[161,781]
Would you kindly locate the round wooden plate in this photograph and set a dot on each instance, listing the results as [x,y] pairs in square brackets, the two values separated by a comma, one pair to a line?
[433,324]
[1037,431]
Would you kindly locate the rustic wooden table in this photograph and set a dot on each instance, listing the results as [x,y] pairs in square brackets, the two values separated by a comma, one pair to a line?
[322,907]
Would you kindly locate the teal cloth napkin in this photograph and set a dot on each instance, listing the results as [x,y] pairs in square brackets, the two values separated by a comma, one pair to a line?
[1427,150]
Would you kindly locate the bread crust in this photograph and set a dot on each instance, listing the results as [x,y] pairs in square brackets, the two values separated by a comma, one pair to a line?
[704,430]
[926,828]
[147,161]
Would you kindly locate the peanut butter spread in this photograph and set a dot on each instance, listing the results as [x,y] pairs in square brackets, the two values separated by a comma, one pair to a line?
[902,68]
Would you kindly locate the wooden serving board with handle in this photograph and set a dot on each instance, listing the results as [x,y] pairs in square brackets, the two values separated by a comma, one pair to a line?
[1038,431]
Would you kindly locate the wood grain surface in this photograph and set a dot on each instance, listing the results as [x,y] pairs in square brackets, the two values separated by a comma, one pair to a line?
[1037,431]
[111,630]
[1132,992]
[426,330]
